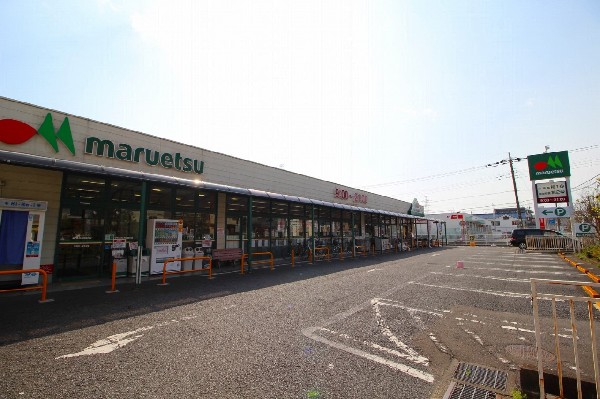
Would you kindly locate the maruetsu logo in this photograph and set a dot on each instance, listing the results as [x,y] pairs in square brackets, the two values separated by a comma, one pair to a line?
[551,167]
[16,132]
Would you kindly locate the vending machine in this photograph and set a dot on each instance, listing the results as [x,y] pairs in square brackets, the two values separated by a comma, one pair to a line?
[164,239]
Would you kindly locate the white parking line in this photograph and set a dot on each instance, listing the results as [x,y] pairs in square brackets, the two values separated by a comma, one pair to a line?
[561,266]
[565,273]
[413,372]
[461,275]
[488,292]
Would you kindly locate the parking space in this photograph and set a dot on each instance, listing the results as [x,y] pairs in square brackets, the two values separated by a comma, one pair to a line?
[469,305]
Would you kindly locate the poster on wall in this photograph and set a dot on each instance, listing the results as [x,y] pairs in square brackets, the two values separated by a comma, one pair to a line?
[31,260]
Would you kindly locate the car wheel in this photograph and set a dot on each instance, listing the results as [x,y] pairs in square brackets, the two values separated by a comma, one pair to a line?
[523,245]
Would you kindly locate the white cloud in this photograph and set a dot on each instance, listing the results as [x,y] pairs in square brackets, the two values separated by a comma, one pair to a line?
[530,103]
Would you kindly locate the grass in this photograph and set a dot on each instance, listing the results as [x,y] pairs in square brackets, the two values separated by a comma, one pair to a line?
[517,394]
[591,254]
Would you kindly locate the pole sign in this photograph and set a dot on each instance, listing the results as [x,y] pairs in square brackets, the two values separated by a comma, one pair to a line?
[549,165]
[584,230]
[551,192]
[558,212]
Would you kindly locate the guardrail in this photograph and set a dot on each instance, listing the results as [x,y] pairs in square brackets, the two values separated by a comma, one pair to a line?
[547,243]
[582,359]
[270,261]
[165,272]
[42,287]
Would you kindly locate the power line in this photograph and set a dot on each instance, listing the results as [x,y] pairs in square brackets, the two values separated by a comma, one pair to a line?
[579,186]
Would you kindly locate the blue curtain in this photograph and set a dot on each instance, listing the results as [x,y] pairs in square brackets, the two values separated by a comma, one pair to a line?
[13,228]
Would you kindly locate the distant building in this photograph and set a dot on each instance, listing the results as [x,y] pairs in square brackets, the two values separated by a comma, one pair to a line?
[504,218]
[461,226]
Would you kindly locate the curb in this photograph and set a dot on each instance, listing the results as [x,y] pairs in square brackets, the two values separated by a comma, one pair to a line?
[589,290]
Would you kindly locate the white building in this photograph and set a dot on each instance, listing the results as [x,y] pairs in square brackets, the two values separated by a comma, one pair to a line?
[75,190]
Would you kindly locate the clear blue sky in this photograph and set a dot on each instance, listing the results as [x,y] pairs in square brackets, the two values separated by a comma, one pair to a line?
[380,95]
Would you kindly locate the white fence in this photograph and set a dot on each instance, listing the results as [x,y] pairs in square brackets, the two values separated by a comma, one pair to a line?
[570,340]
[553,244]
[479,239]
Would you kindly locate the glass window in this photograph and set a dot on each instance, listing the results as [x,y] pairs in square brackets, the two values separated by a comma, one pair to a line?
[336,222]
[260,232]
[260,207]
[81,224]
[279,237]
[80,249]
[84,190]
[279,208]
[125,193]
[185,199]
[159,197]
[236,232]
[124,223]
[207,201]
[237,204]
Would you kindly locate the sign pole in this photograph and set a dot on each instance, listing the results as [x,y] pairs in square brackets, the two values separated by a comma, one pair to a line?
[536,210]
[571,204]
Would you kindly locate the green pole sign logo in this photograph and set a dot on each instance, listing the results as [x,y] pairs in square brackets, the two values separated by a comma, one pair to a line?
[549,165]
[560,212]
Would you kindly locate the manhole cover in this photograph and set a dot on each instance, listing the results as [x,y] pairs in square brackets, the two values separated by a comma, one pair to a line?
[528,352]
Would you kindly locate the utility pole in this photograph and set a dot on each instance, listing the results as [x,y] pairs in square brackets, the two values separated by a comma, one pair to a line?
[512,173]
[510,161]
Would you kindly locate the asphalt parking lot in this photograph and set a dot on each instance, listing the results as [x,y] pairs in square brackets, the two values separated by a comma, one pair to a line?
[391,326]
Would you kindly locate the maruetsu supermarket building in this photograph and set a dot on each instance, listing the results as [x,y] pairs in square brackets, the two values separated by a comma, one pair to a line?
[75,193]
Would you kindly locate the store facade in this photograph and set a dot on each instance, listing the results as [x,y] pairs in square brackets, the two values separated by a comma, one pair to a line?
[80,188]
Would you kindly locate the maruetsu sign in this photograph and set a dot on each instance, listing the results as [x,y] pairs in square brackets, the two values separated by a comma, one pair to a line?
[549,165]
[14,132]
[125,152]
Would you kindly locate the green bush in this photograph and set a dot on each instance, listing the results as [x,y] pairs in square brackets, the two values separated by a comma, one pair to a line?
[591,253]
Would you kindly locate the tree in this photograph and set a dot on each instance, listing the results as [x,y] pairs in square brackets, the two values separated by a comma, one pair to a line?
[587,208]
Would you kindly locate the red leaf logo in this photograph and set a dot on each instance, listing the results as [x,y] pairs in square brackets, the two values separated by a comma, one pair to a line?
[15,132]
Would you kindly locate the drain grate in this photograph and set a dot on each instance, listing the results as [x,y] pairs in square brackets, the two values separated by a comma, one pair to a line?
[481,376]
[461,391]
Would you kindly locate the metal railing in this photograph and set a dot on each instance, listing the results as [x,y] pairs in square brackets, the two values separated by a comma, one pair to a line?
[269,261]
[200,258]
[582,361]
[553,244]
[42,287]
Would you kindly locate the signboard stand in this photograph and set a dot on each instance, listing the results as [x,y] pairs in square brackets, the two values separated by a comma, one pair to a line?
[549,166]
